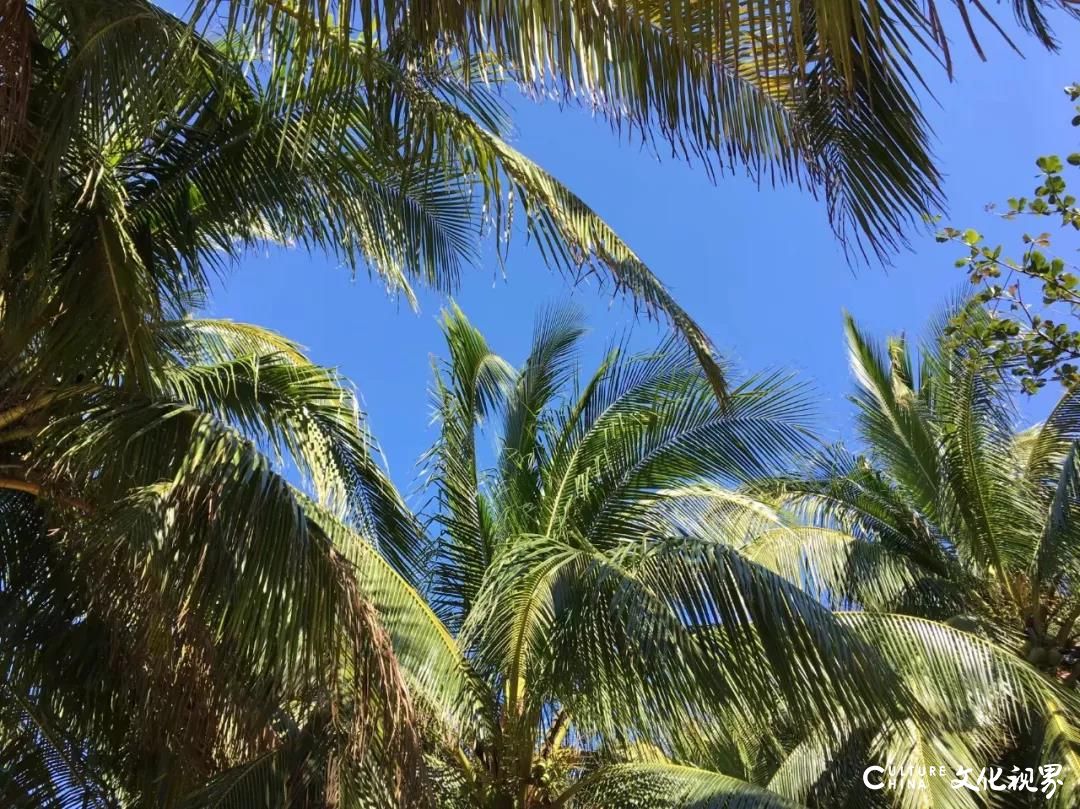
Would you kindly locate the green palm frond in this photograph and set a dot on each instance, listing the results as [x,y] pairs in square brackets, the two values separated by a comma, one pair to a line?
[947,442]
[842,491]
[820,767]
[910,749]
[1061,746]
[183,578]
[437,670]
[1050,441]
[956,674]
[891,417]
[1057,552]
[777,628]
[655,429]
[378,157]
[821,94]
[168,453]
[41,766]
[551,364]
[664,785]
[304,413]
[843,570]
[470,392]
[648,644]
[978,698]
[985,498]
[573,238]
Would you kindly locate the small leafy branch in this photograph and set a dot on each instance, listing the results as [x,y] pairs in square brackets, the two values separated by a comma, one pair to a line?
[1033,329]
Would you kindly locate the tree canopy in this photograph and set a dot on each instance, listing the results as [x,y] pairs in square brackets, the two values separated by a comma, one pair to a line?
[212,595]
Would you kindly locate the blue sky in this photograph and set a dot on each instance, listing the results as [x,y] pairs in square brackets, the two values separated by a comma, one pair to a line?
[758,268]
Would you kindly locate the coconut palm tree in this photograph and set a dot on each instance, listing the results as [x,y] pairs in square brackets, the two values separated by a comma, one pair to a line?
[153,153]
[140,160]
[593,588]
[820,93]
[949,517]
[595,625]
[568,577]
[170,605]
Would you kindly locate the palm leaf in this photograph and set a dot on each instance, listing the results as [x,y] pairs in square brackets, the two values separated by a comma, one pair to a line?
[668,785]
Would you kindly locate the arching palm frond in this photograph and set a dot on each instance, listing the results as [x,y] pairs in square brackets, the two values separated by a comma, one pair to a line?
[956,673]
[628,463]
[822,94]
[180,156]
[302,412]
[910,749]
[1050,441]
[842,570]
[172,601]
[844,491]
[819,767]
[970,681]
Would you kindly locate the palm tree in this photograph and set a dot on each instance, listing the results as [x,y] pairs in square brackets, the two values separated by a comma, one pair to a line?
[949,517]
[611,638]
[141,155]
[141,159]
[580,606]
[597,626]
[819,93]
[176,600]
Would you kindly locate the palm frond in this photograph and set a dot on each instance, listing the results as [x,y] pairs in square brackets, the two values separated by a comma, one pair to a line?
[439,674]
[665,433]
[842,570]
[548,369]
[822,94]
[664,785]
[892,420]
[1056,553]
[910,749]
[41,766]
[1061,747]
[837,490]
[303,412]
[472,389]
[192,529]
[958,676]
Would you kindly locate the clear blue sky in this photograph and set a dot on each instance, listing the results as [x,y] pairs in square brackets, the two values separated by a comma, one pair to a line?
[758,268]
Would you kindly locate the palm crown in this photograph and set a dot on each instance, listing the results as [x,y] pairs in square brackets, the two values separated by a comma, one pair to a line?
[172,605]
[142,154]
[623,630]
[211,592]
[979,514]
[951,514]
